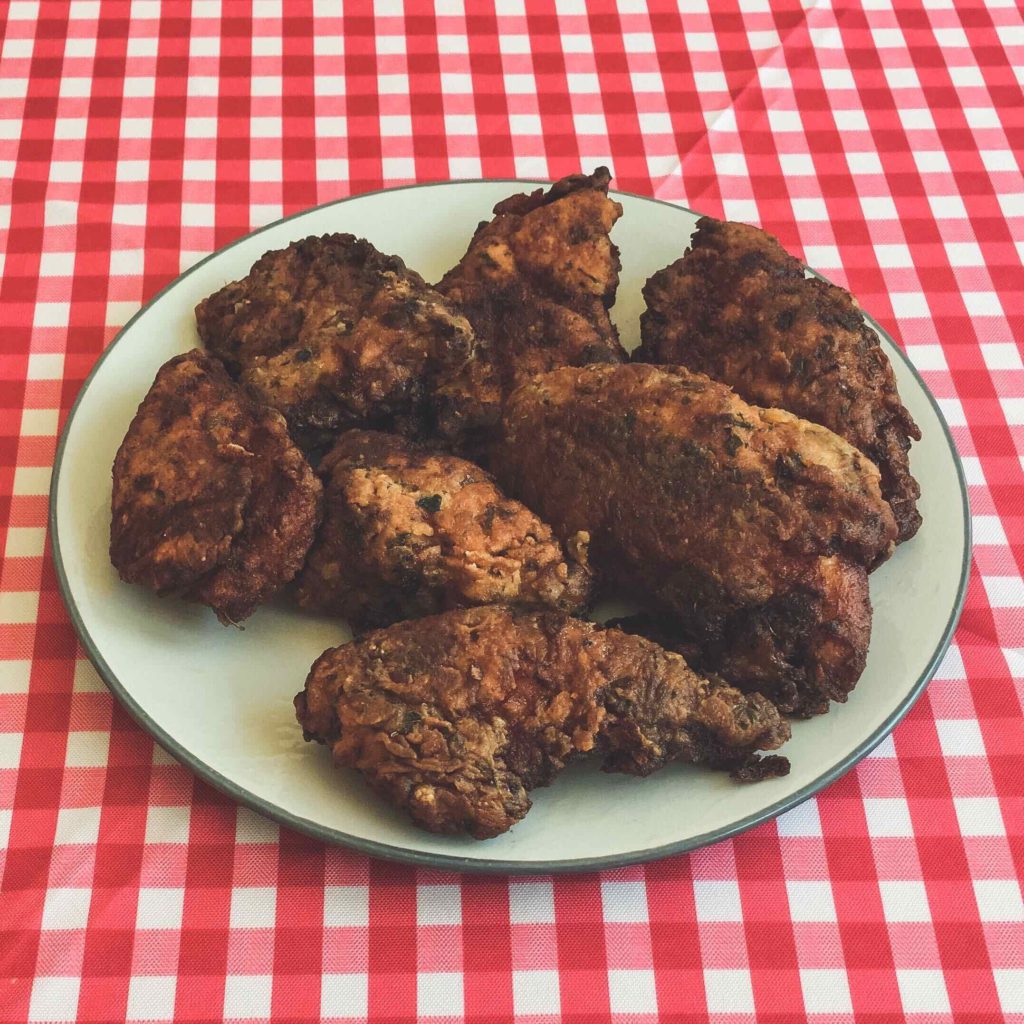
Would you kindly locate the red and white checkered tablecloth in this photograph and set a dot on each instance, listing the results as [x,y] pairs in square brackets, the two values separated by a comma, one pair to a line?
[884,141]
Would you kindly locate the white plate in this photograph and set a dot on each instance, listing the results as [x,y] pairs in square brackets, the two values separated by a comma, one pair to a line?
[221,699]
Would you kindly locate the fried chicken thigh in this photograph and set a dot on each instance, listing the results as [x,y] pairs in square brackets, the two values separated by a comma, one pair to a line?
[410,532]
[738,307]
[211,500]
[536,284]
[335,334]
[753,529]
[454,718]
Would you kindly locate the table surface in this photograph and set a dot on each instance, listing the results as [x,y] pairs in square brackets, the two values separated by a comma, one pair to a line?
[884,143]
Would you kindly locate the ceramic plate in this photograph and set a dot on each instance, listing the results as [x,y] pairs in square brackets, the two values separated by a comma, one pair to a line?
[220,699]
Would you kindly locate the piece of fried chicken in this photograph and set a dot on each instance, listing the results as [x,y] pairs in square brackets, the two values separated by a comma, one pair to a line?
[752,528]
[738,307]
[211,500]
[536,284]
[454,718]
[335,334]
[410,532]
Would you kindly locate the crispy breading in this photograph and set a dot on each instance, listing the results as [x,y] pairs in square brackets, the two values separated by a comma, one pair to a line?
[335,334]
[752,528]
[408,531]
[536,284]
[738,307]
[454,718]
[211,500]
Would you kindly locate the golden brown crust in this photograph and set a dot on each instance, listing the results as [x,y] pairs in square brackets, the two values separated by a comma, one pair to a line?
[738,307]
[211,500]
[408,532]
[752,527]
[536,283]
[454,718]
[335,334]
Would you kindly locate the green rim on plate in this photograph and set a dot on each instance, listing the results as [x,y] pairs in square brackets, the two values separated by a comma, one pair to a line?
[449,861]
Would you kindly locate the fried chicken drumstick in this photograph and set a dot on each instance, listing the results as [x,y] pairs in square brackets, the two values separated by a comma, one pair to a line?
[536,284]
[753,529]
[211,500]
[454,718]
[335,334]
[409,532]
[738,307]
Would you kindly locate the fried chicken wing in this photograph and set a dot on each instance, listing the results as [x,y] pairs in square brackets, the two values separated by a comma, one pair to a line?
[335,334]
[752,528]
[211,500]
[408,532]
[738,307]
[536,284]
[454,718]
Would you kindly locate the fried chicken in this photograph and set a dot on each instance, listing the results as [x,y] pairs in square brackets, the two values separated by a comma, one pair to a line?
[753,529]
[738,307]
[335,334]
[454,718]
[536,284]
[211,500]
[410,532]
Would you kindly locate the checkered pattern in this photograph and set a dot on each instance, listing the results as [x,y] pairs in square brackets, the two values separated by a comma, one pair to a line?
[883,141]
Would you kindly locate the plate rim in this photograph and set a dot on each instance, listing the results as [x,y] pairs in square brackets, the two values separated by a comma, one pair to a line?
[454,862]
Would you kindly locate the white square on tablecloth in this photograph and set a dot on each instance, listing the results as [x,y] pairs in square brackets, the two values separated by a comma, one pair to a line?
[15,675]
[167,824]
[247,996]
[729,991]
[346,906]
[632,991]
[160,907]
[988,530]
[1010,987]
[1001,355]
[25,542]
[927,357]
[624,900]
[251,827]
[922,991]
[10,749]
[960,737]
[151,997]
[54,998]
[66,909]
[439,994]
[996,160]
[438,904]
[887,816]
[894,255]
[343,995]
[878,208]
[50,365]
[18,606]
[802,820]
[87,749]
[717,899]
[253,906]
[535,993]
[77,825]
[982,303]
[811,900]
[810,209]
[979,815]
[999,899]
[904,900]
[531,903]
[825,990]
